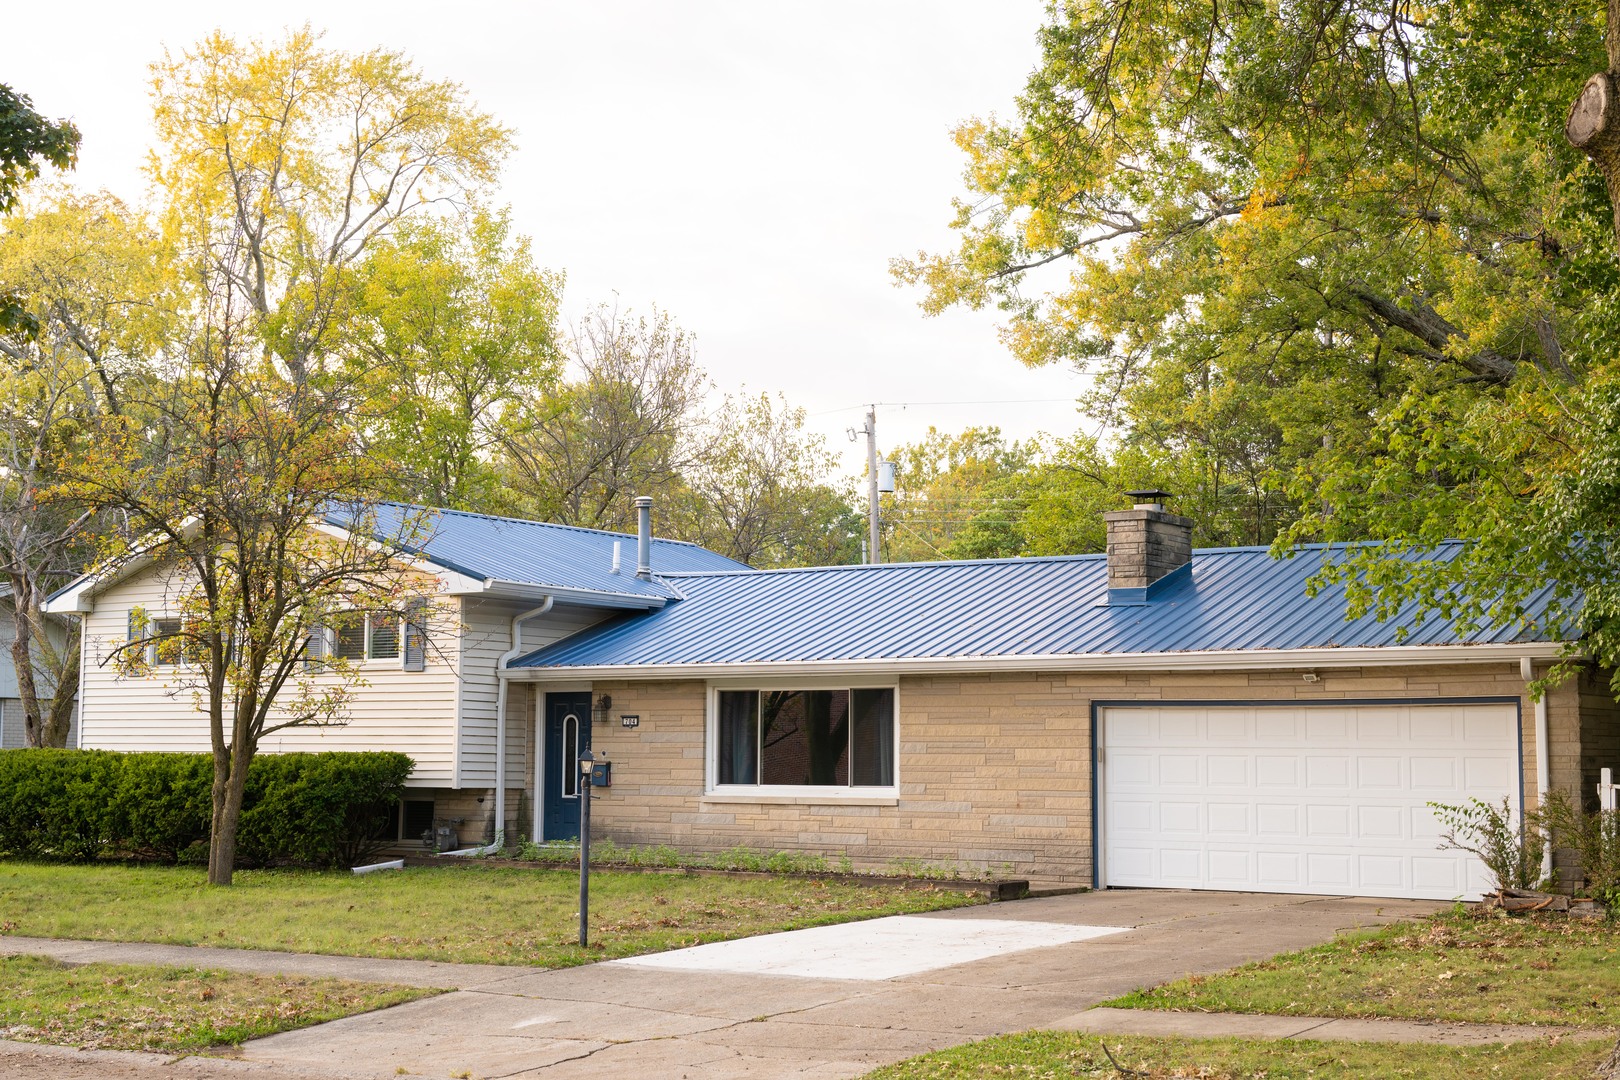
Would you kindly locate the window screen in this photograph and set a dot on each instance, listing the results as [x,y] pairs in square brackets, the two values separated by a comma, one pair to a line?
[805,738]
[384,637]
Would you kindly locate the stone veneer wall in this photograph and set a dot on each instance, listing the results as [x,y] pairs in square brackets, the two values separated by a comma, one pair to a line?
[994,769]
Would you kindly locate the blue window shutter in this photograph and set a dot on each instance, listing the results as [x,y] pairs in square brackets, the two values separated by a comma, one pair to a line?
[415,650]
[315,647]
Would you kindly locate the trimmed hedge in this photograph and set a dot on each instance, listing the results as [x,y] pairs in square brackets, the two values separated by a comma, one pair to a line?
[328,809]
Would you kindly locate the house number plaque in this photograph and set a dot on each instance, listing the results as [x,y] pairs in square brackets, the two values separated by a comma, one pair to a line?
[629,721]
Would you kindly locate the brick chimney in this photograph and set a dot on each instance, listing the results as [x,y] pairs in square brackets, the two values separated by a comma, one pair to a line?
[1145,544]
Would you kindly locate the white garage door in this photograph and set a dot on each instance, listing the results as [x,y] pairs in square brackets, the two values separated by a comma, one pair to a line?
[1308,799]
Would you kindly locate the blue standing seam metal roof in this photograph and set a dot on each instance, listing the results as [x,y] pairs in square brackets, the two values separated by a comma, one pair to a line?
[536,553]
[1228,599]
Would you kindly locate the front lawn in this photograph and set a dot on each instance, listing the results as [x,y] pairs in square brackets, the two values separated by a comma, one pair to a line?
[1061,1054]
[1466,966]
[493,916]
[173,1010]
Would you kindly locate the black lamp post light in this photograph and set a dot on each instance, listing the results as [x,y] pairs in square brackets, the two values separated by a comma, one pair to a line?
[587,761]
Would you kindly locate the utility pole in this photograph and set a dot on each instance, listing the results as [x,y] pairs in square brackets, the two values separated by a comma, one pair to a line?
[873,551]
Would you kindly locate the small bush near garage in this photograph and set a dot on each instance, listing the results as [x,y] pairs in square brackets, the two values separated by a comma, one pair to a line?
[313,809]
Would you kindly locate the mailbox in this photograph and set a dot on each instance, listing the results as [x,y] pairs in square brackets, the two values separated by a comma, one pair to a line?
[602,774]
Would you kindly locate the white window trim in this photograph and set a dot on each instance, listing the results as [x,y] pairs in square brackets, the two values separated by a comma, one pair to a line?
[156,666]
[803,794]
[382,663]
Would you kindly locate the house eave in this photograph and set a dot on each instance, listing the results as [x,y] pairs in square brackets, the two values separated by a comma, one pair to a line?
[523,590]
[1231,660]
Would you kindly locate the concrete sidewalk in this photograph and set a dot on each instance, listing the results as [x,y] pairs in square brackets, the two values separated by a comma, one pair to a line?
[619,1018]
[263,962]
[1260,1026]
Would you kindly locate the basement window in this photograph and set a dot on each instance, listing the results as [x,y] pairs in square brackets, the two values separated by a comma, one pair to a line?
[830,741]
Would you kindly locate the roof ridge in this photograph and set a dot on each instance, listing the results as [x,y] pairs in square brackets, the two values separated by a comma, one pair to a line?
[931,564]
[536,524]
[1338,545]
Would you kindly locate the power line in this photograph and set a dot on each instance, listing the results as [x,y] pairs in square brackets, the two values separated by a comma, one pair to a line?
[908,404]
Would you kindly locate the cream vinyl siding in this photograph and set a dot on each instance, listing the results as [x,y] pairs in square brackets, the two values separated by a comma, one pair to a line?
[487,635]
[408,711]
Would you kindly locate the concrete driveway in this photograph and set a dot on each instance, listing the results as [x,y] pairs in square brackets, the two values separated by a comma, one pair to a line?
[633,1019]
[763,1007]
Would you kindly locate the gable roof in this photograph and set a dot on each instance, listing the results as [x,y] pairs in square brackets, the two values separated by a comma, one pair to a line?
[502,556]
[536,554]
[1228,600]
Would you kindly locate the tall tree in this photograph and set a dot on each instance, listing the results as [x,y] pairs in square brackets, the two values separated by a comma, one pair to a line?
[455,326]
[84,268]
[758,490]
[1344,250]
[281,164]
[27,140]
[942,483]
[621,426]
[280,168]
[222,475]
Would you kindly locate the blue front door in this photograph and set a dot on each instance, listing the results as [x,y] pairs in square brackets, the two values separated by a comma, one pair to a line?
[568,733]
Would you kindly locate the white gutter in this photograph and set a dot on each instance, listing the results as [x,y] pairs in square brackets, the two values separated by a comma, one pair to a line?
[1527,671]
[1223,660]
[500,723]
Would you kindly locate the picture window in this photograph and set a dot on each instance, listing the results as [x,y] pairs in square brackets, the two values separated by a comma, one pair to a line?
[827,739]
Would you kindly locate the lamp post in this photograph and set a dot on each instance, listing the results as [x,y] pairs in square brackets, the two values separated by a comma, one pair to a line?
[587,761]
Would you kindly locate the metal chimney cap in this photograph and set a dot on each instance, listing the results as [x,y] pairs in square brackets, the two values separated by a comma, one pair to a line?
[643,500]
[1152,498]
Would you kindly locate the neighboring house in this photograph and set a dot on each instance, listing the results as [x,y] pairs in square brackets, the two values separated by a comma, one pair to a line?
[12,735]
[1152,717]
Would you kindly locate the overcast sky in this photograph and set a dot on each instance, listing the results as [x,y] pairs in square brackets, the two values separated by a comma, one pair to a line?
[751,167]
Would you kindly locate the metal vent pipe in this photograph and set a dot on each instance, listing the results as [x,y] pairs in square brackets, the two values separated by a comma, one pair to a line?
[643,536]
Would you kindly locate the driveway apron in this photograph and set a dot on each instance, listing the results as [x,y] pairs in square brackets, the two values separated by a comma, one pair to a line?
[817,1004]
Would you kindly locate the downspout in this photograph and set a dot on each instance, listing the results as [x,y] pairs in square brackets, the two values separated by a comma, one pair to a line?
[500,722]
[1527,671]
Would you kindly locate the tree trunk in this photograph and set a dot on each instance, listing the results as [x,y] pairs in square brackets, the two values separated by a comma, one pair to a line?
[1593,125]
[58,720]
[230,783]
[22,659]
[1610,1069]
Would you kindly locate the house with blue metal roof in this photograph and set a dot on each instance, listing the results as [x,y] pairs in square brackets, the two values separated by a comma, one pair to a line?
[1151,717]
[491,588]
[1154,716]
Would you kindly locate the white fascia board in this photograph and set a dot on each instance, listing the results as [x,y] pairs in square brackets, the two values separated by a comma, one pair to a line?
[1225,660]
[523,590]
[74,600]
[80,597]
[452,582]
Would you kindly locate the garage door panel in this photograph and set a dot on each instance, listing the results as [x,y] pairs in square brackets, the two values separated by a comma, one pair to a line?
[1229,819]
[1435,773]
[1181,817]
[1276,728]
[1381,823]
[1277,821]
[1180,769]
[1324,771]
[1231,866]
[1342,812]
[1225,770]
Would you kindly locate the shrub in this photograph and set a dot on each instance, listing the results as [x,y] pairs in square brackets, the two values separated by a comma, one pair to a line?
[1595,838]
[1511,850]
[320,809]
[317,809]
[165,803]
[58,801]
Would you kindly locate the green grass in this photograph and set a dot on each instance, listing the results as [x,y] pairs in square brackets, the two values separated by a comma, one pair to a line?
[136,1007]
[485,915]
[1464,966]
[608,853]
[1042,1054]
